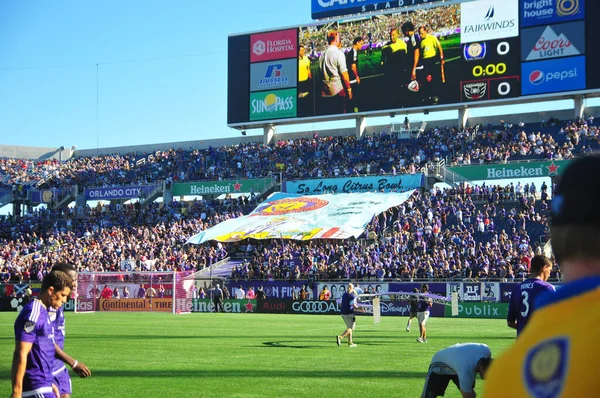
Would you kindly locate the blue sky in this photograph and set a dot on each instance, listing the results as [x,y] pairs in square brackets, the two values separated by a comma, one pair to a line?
[161,69]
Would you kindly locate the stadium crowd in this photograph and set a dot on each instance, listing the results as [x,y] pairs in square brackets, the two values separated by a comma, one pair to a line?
[456,233]
[451,234]
[101,238]
[312,157]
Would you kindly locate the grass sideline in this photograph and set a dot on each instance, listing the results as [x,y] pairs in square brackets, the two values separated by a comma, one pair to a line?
[254,355]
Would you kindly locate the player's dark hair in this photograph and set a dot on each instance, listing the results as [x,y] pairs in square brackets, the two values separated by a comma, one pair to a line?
[357,39]
[58,280]
[538,263]
[407,27]
[331,36]
[484,363]
[64,267]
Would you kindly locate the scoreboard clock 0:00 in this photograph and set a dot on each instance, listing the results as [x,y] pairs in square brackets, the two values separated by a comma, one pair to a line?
[491,70]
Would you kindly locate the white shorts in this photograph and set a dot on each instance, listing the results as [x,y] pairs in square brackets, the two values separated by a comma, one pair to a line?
[422,317]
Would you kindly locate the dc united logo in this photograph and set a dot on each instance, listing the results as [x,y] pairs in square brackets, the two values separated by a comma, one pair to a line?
[545,368]
[536,77]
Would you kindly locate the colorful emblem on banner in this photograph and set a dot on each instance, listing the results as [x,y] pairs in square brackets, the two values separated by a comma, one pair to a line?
[290,205]
[546,368]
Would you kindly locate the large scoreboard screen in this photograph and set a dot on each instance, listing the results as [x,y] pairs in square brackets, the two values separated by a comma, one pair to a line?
[443,54]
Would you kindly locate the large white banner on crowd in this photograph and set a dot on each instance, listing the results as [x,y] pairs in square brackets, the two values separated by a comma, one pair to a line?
[285,216]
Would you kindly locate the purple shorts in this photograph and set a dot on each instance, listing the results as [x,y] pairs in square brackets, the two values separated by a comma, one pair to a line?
[63,380]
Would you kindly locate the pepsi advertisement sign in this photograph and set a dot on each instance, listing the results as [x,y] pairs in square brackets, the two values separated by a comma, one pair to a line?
[564,74]
[539,12]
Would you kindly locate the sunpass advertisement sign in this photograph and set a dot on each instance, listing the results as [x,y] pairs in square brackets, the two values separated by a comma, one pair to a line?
[276,104]
[330,8]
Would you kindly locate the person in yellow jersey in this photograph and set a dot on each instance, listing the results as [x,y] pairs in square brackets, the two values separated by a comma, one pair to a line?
[395,64]
[556,354]
[304,74]
[431,53]
[305,86]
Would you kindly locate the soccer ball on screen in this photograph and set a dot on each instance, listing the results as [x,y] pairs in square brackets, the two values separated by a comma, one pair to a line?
[414,86]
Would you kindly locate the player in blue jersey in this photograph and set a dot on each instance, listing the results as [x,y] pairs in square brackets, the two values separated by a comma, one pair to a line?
[31,371]
[59,370]
[523,297]
[348,305]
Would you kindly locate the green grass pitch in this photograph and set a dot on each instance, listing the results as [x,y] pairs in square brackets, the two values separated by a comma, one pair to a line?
[254,355]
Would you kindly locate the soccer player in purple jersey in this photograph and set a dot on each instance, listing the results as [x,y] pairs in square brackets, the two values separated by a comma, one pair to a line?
[525,294]
[57,317]
[31,371]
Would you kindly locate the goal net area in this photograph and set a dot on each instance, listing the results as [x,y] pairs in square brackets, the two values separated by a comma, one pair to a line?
[134,292]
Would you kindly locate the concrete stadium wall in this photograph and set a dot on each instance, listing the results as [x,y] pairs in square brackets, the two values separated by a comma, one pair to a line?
[38,153]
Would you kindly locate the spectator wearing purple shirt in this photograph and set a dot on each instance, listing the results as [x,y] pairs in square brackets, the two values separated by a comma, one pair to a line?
[524,295]
[141,292]
[31,371]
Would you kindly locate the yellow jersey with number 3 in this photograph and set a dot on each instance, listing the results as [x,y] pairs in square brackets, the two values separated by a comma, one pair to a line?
[557,353]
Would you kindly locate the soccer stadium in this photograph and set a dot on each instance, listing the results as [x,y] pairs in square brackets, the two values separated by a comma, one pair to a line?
[385,253]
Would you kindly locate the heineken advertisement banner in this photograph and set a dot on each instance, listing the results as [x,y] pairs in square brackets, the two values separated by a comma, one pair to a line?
[229,305]
[400,183]
[479,310]
[114,193]
[287,216]
[511,170]
[219,187]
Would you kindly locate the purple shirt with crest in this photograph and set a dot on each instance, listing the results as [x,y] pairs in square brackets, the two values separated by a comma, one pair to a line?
[33,326]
